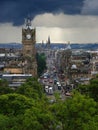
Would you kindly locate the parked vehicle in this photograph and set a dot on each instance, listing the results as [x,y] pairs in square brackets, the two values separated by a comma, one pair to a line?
[50,91]
[59,86]
[46,89]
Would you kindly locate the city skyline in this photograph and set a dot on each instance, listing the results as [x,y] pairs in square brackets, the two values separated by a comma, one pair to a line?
[63,21]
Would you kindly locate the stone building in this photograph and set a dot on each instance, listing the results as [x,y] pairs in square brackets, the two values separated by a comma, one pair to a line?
[82,61]
[29,51]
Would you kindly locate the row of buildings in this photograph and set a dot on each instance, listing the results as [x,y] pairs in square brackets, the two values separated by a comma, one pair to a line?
[78,64]
[72,63]
[81,65]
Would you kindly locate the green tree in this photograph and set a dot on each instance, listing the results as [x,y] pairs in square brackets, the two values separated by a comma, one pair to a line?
[78,112]
[41,62]
[91,89]
[83,89]
[4,122]
[22,113]
[39,117]
[3,83]
[31,88]
[4,88]
[14,104]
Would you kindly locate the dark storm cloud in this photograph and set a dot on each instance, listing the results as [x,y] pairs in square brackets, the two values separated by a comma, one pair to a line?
[16,10]
[90,7]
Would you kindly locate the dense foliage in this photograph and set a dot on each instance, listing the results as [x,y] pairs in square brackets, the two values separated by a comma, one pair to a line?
[41,63]
[28,108]
[91,89]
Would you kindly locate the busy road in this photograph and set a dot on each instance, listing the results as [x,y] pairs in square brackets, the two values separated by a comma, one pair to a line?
[51,80]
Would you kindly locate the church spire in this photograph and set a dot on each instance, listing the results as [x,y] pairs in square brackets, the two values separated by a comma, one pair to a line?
[48,40]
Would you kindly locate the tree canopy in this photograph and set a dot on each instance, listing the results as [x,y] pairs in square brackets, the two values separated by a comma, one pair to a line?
[91,89]
[28,108]
[41,63]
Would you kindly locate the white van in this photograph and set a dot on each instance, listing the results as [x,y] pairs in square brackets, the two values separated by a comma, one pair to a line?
[50,90]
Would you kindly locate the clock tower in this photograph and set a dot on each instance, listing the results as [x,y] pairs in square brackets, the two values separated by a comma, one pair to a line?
[29,51]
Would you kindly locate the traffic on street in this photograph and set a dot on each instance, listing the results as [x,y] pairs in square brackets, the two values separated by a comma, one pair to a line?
[54,82]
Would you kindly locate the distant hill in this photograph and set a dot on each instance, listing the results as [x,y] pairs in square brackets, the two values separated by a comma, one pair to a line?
[88,46]
[11,45]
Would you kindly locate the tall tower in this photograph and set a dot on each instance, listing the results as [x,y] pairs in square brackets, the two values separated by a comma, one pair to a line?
[29,51]
[48,43]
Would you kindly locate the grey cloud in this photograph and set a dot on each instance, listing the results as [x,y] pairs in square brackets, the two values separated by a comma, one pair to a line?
[90,7]
[16,10]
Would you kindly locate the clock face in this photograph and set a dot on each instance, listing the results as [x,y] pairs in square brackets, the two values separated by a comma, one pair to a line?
[28,36]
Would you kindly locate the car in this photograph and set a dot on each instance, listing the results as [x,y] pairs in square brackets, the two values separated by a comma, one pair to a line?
[68,94]
[59,86]
[57,83]
[50,81]
[46,89]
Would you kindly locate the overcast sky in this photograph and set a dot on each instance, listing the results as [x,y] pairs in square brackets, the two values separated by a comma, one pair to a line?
[63,20]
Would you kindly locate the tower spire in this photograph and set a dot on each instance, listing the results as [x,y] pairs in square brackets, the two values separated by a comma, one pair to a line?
[28,21]
[48,40]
